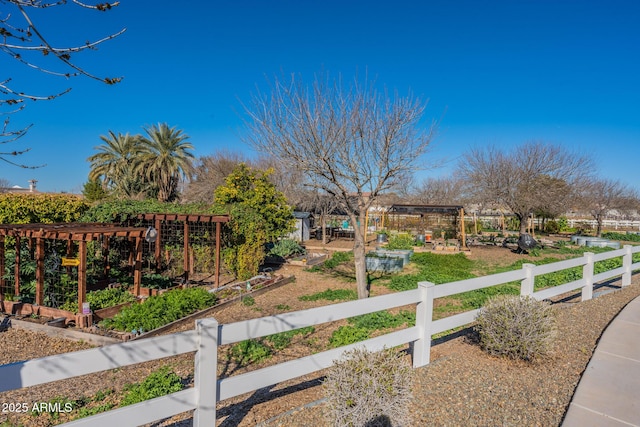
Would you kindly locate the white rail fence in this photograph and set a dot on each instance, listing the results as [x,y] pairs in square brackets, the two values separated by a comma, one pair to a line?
[209,335]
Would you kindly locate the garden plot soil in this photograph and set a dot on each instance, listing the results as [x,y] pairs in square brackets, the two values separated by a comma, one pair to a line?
[462,385]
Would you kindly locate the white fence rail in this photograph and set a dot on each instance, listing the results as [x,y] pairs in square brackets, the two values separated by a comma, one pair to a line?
[208,335]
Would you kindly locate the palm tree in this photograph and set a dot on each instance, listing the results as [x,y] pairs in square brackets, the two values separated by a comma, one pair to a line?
[166,158]
[116,164]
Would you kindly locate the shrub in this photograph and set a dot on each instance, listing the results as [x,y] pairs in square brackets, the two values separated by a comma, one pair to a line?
[401,241]
[158,383]
[517,327]
[368,389]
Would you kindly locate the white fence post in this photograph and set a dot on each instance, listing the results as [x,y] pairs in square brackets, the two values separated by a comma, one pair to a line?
[424,318]
[587,276]
[627,260]
[526,285]
[205,375]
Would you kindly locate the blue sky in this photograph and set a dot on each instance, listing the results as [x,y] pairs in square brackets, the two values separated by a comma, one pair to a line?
[495,72]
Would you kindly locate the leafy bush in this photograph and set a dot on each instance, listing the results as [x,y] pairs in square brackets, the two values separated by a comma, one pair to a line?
[286,248]
[160,310]
[368,389]
[331,295]
[517,327]
[40,208]
[158,383]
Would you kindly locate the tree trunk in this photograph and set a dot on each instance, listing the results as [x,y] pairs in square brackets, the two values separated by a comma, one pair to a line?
[359,252]
[523,223]
[599,220]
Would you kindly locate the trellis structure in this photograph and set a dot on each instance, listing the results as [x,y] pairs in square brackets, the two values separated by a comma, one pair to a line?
[79,233]
[181,227]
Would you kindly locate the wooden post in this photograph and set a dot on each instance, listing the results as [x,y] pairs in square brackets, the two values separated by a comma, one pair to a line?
[463,237]
[137,271]
[82,275]
[2,262]
[526,285]
[205,376]
[185,262]
[217,255]
[475,224]
[39,271]
[16,270]
[158,243]
[366,226]
[587,276]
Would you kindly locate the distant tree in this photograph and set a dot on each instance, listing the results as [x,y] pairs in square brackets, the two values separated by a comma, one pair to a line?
[117,165]
[353,143]
[526,178]
[4,185]
[93,191]
[602,196]
[259,215]
[166,159]
[440,191]
[21,39]
[209,173]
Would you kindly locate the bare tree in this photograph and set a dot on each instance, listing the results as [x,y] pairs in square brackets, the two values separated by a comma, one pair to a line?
[527,178]
[21,39]
[351,142]
[602,196]
[209,173]
[440,191]
[4,185]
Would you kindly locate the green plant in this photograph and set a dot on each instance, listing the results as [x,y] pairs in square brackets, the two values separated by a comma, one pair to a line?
[249,351]
[517,327]
[401,241]
[331,295]
[248,301]
[102,299]
[348,334]
[286,248]
[336,259]
[283,339]
[158,383]
[368,389]
[159,310]
[283,307]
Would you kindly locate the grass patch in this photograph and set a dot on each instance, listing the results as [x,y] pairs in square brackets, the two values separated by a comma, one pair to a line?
[331,295]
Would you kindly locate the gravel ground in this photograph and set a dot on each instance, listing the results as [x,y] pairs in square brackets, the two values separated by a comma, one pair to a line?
[462,385]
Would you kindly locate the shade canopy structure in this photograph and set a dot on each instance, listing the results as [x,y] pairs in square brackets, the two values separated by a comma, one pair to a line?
[79,233]
[420,219]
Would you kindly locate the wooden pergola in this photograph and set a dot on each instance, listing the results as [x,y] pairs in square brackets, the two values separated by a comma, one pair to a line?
[158,218]
[70,232]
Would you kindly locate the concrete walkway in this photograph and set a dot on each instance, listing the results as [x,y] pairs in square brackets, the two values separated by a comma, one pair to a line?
[609,392]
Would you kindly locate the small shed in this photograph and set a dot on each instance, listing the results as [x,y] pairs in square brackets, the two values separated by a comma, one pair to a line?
[303,226]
